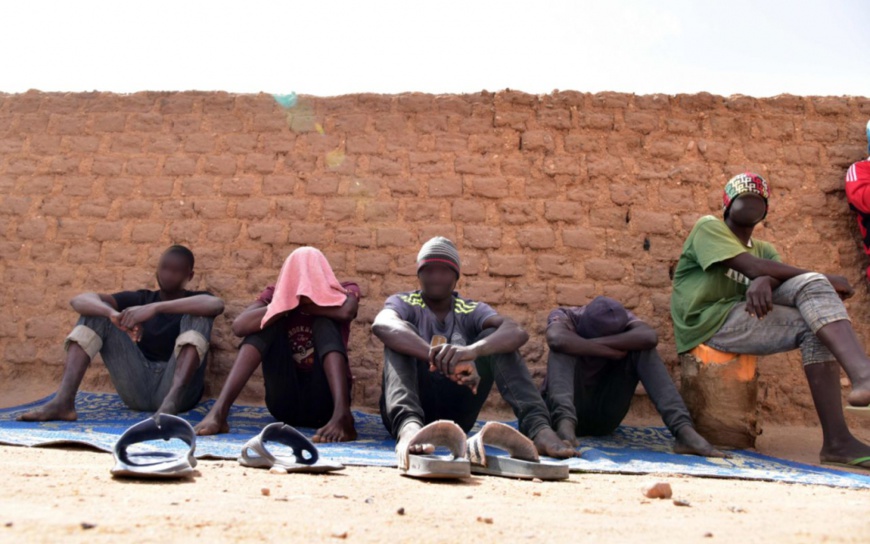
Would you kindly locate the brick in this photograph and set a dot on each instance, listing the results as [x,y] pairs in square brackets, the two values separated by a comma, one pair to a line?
[501,264]
[652,276]
[372,262]
[14,205]
[491,292]
[339,209]
[385,166]
[267,233]
[403,186]
[210,208]
[468,211]
[109,231]
[223,231]
[598,121]
[608,217]
[537,238]
[570,212]
[605,167]
[32,229]
[479,166]
[537,140]
[541,188]
[322,186]
[490,187]
[279,185]
[199,143]
[363,143]
[586,239]
[116,254]
[294,208]
[654,222]
[517,213]
[425,210]
[381,211]
[85,253]
[237,186]
[801,154]
[252,208]
[94,208]
[667,149]
[398,237]
[820,131]
[641,122]
[179,166]
[55,206]
[307,234]
[146,232]
[445,141]
[604,269]
[555,118]
[220,165]
[354,236]
[157,187]
[561,165]
[246,259]
[830,105]
[145,122]
[482,237]
[185,231]
[570,294]
[555,265]
[445,187]
[582,143]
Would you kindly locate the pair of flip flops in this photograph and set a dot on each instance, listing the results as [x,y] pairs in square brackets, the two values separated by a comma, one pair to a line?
[470,456]
[168,464]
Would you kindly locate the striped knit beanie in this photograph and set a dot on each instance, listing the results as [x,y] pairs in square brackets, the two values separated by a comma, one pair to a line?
[438,250]
[742,184]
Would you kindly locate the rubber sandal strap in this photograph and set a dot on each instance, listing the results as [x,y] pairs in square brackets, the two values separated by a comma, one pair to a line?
[503,437]
[282,434]
[442,433]
[165,427]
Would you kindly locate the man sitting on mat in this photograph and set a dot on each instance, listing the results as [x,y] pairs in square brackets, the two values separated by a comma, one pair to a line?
[733,293]
[153,343]
[424,383]
[298,329]
[598,354]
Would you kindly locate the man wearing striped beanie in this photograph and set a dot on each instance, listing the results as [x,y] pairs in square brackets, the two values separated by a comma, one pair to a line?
[443,353]
[733,293]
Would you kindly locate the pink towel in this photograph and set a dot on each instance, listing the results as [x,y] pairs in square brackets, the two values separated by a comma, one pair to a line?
[306,272]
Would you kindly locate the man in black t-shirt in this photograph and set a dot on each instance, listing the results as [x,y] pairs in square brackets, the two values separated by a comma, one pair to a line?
[423,383]
[154,343]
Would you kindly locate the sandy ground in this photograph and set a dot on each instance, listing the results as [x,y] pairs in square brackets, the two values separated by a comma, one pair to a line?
[52,493]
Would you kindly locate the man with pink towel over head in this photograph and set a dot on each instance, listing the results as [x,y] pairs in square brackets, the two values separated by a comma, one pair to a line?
[298,329]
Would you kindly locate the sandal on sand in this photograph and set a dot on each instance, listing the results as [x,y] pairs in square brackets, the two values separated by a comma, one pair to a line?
[155,463]
[438,433]
[522,461]
[854,463]
[287,435]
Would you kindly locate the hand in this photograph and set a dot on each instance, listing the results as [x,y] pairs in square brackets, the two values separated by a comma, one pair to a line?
[445,357]
[135,333]
[759,297]
[841,285]
[466,374]
[134,315]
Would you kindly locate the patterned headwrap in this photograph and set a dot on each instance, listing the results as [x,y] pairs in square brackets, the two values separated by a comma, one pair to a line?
[439,250]
[742,184]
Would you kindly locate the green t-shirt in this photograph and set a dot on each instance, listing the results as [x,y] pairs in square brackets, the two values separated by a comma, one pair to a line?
[705,290]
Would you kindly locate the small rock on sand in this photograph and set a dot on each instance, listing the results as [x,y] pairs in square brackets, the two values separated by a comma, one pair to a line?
[86,525]
[401,511]
[681,502]
[658,490]
[339,533]
[482,519]
[265,491]
[277,470]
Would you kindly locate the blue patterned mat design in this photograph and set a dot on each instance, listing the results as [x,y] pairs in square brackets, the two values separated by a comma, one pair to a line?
[630,450]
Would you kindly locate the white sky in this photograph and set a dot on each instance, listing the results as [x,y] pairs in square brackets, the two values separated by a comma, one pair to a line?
[318,47]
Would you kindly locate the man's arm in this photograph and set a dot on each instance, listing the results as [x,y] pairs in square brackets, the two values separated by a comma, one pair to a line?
[345,312]
[199,305]
[753,267]
[508,337]
[398,335]
[561,337]
[248,322]
[94,304]
[638,336]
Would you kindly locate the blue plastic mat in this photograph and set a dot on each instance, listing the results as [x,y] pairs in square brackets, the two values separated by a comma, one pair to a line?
[630,450]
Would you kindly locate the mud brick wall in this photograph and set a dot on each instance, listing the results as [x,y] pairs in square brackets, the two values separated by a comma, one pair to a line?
[551,199]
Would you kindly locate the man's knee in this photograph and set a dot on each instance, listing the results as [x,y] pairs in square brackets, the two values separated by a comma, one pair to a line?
[88,334]
[198,323]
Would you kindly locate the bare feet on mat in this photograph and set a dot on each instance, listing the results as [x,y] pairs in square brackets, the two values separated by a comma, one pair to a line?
[689,442]
[567,431]
[339,429]
[549,443]
[212,424]
[53,410]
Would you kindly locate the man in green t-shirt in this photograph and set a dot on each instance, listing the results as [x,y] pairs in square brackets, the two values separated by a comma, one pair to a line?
[734,294]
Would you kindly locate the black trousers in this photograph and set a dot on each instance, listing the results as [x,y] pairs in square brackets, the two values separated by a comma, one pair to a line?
[300,398]
[596,393]
[412,393]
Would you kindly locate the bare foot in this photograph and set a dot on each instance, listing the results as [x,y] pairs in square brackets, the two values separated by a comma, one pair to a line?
[53,410]
[859,397]
[339,429]
[567,431]
[212,424]
[689,442]
[549,443]
[406,434]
